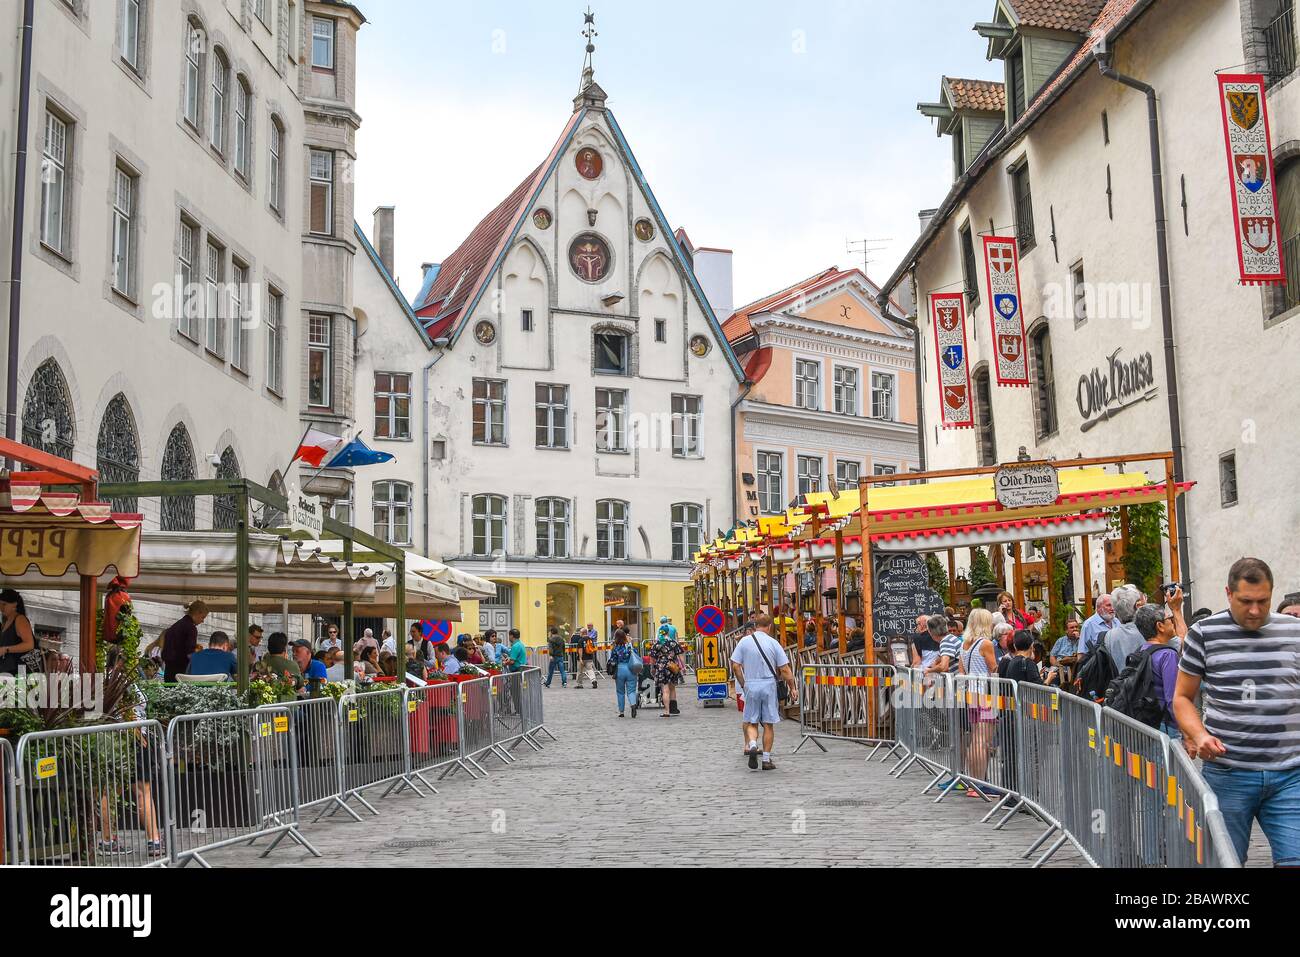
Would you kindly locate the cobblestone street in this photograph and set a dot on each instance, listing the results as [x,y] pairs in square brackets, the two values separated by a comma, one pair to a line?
[659,792]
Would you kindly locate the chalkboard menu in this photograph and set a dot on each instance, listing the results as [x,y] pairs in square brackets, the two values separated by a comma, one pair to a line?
[901,591]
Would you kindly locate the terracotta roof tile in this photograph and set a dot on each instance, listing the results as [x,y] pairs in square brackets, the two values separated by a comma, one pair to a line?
[738,326]
[1076,16]
[983,95]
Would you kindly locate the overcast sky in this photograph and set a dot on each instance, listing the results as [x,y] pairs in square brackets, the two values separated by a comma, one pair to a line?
[780,130]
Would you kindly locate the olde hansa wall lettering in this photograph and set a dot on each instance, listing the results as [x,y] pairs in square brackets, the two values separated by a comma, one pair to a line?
[1118,382]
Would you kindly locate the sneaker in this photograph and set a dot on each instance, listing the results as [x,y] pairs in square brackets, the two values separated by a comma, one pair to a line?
[769,766]
[621,715]
[154,849]
[112,847]
[753,758]
[593,686]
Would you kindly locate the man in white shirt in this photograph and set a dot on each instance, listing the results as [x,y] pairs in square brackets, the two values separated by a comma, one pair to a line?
[389,644]
[758,663]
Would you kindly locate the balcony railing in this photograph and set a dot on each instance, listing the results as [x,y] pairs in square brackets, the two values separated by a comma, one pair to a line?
[1280,45]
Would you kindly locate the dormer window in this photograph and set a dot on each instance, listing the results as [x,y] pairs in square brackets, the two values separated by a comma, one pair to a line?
[971,112]
[1016,84]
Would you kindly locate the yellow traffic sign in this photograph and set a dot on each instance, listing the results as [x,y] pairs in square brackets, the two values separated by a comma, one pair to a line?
[711,676]
[709,657]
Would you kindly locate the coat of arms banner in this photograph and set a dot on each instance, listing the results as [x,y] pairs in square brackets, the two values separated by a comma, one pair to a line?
[948,315]
[1002,268]
[1250,173]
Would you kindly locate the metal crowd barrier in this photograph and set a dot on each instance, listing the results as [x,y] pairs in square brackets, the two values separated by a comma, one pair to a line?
[433,730]
[534,715]
[1195,835]
[374,745]
[316,733]
[8,805]
[92,797]
[984,736]
[234,778]
[847,703]
[476,725]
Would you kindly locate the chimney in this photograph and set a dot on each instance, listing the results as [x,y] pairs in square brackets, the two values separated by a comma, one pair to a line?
[713,271]
[926,216]
[384,236]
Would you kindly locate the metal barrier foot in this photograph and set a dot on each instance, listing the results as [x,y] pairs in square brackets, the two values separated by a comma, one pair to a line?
[542,727]
[997,807]
[806,739]
[291,832]
[364,803]
[1009,815]
[425,782]
[937,778]
[334,804]
[1051,850]
[946,791]
[503,754]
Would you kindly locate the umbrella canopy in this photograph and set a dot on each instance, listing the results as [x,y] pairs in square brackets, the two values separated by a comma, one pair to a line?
[467,586]
[64,537]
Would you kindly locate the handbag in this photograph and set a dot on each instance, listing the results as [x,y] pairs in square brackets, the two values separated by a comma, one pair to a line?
[782,691]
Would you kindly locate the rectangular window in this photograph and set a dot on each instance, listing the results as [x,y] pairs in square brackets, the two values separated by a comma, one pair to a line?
[392,405]
[275,182]
[194,41]
[130,34]
[807,384]
[688,531]
[275,342]
[320,347]
[687,419]
[611,529]
[214,275]
[240,341]
[552,528]
[124,201]
[1280,44]
[1016,94]
[611,420]
[489,525]
[1228,479]
[552,403]
[885,470]
[392,510]
[1024,208]
[341,509]
[969,271]
[322,43]
[882,396]
[810,474]
[661,330]
[489,412]
[611,353]
[322,192]
[262,9]
[187,293]
[241,128]
[1044,383]
[846,390]
[771,482]
[526,320]
[1078,294]
[847,474]
[220,77]
[54,183]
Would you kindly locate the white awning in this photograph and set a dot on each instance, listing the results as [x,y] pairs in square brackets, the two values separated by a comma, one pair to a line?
[467,586]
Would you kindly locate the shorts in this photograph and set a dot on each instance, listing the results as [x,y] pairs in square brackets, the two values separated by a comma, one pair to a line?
[761,706]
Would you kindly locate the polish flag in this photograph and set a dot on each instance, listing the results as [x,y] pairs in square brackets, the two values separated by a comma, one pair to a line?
[314,446]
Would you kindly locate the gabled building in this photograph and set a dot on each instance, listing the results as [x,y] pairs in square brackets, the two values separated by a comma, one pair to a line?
[830,391]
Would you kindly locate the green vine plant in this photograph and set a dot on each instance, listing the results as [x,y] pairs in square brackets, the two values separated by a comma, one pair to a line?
[981,569]
[938,577]
[1144,554]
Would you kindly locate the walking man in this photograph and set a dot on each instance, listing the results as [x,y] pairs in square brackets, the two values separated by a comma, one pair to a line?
[758,663]
[587,658]
[555,650]
[1247,659]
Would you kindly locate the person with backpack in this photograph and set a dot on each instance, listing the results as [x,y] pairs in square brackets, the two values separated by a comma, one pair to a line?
[627,667]
[1020,666]
[762,670]
[555,649]
[586,656]
[1138,690]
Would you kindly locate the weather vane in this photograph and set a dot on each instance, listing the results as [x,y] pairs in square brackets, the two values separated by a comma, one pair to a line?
[589,32]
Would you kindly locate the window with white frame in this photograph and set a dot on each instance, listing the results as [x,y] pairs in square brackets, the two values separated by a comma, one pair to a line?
[243,98]
[489,412]
[124,229]
[214,275]
[274,171]
[322,192]
[322,43]
[688,530]
[552,403]
[129,33]
[771,482]
[220,84]
[194,44]
[807,384]
[885,470]
[391,502]
[341,508]
[320,348]
[187,295]
[687,419]
[54,182]
[611,529]
[275,342]
[810,473]
[847,473]
[552,528]
[882,396]
[488,533]
[263,10]
[611,420]
[846,390]
[240,342]
[392,405]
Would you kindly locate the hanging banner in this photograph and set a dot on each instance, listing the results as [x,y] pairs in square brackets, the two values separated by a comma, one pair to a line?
[948,316]
[1002,267]
[1250,172]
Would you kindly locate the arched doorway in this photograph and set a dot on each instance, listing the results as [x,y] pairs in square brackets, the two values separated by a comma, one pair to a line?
[563,607]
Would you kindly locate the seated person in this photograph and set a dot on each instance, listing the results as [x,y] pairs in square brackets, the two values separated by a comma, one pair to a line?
[333,659]
[216,659]
[388,664]
[857,640]
[313,669]
[448,663]
[368,662]
[276,660]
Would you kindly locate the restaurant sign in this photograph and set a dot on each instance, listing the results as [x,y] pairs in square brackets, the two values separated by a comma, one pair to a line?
[306,514]
[1105,392]
[1026,486]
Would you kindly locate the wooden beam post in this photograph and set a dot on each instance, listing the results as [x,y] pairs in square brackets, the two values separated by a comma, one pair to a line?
[1085,545]
[839,589]
[242,570]
[1018,574]
[868,615]
[1171,514]
[1050,551]
[952,577]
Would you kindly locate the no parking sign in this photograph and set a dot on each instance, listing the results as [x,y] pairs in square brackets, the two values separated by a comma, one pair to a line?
[709,620]
[435,631]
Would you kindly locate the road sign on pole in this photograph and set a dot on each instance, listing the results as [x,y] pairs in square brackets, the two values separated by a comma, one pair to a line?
[709,620]
[712,692]
[709,654]
[435,631]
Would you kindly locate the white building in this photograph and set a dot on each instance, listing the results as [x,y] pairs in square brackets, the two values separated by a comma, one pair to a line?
[166,203]
[1068,169]
[573,393]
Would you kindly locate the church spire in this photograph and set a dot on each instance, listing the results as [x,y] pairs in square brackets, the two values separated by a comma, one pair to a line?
[590,95]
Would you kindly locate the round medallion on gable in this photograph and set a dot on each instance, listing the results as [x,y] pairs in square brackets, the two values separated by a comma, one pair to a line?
[700,346]
[485,333]
[590,258]
[589,162]
[644,229]
[542,219]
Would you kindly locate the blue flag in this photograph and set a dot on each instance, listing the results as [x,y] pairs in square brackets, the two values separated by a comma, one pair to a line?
[357,453]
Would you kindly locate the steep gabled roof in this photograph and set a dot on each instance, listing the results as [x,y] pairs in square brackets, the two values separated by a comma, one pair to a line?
[384,274]
[985,96]
[1075,16]
[740,324]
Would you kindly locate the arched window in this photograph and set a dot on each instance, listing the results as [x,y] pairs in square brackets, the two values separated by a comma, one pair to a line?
[688,530]
[272,517]
[117,451]
[48,420]
[220,85]
[1288,207]
[243,106]
[196,40]
[489,524]
[988,443]
[178,466]
[552,528]
[611,529]
[224,513]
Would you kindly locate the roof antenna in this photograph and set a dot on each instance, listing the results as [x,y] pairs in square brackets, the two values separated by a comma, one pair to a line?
[589,32]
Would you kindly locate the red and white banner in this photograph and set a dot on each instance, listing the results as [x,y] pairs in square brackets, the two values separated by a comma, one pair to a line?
[1250,171]
[948,316]
[1002,268]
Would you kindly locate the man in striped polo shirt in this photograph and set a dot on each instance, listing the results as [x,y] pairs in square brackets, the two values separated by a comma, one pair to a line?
[1247,659]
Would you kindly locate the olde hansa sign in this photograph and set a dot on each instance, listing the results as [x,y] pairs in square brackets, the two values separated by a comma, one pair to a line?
[1110,389]
[1026,486]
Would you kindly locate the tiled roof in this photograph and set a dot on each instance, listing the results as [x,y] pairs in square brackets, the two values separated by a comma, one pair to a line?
[738,326]
[1076,16]
[982,95]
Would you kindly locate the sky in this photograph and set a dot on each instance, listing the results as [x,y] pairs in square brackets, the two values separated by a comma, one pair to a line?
[780,130]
